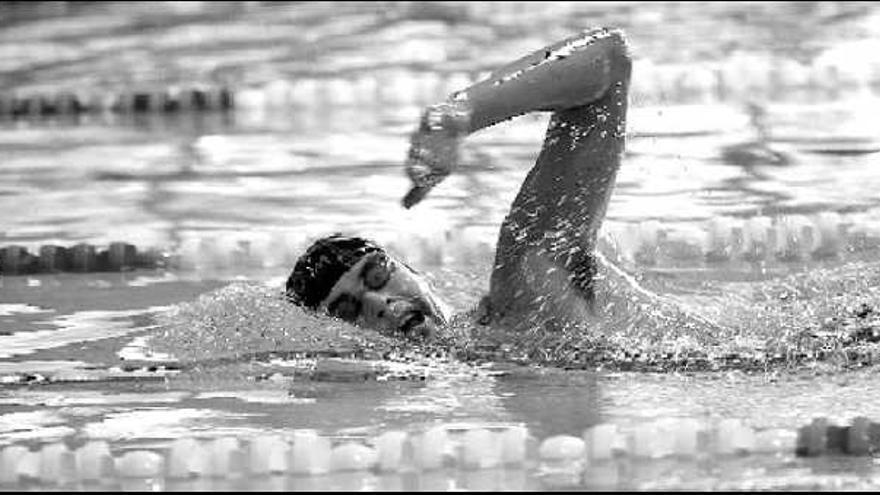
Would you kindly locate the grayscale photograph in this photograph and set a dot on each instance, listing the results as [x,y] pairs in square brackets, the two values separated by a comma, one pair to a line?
[439,246]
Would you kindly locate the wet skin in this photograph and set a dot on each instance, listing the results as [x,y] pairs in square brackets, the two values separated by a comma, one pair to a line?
[544,264]
[552,297]
[383,293]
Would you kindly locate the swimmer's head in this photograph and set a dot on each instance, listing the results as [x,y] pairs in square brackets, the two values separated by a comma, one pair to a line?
[356,280]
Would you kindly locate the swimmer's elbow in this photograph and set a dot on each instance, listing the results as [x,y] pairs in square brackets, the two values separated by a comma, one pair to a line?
[617,36]
[618,48]
[606,47]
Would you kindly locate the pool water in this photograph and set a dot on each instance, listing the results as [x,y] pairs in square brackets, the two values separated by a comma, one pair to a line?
[235,196]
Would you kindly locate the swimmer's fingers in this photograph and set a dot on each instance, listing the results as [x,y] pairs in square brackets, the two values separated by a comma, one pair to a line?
[434,148]
[415,195]
[432,157]
[424,177]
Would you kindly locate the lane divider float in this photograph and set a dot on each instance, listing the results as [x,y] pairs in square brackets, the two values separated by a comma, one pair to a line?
[165,100]
[80,258]
[669,83]
[306,453]
[723,239]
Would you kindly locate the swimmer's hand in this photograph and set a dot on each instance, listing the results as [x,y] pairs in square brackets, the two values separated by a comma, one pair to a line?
[434,149]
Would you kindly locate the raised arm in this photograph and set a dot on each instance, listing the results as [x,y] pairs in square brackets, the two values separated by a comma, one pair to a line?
[544,260]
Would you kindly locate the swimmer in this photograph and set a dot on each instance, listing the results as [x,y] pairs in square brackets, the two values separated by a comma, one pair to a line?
[545,263]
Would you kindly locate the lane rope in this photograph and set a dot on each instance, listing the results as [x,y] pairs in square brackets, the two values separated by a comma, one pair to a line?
[697,82]
[786,239]
[306,453]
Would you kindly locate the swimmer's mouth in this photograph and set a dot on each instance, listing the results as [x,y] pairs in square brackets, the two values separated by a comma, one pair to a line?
[415,325]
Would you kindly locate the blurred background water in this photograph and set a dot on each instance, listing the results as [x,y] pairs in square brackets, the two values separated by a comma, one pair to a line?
[324,97]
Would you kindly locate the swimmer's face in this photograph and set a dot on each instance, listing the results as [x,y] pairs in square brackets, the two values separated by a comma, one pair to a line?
[384,294]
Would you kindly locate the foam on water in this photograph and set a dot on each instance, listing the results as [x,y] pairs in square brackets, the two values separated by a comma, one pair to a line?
[247,319]
[821,315]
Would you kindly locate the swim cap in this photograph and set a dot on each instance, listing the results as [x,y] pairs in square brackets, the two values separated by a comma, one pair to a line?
[318,270]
